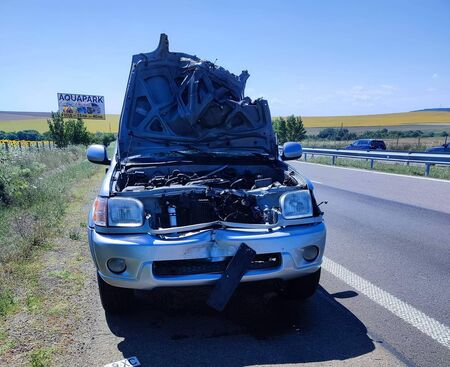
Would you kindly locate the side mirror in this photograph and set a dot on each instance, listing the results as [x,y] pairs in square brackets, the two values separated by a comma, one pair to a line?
[291,150]
[96,153]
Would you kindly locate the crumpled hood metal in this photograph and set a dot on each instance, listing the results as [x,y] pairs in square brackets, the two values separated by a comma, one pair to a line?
[175,98]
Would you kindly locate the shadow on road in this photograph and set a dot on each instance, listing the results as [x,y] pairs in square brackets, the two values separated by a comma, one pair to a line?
[177,327]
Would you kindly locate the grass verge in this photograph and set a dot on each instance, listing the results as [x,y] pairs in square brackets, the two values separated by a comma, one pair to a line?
[33,196]
[391,167]
[40,230]
[402,144]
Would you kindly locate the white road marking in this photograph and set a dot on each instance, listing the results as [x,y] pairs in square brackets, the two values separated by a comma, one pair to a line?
[416,318]
[377,172]
[317,182]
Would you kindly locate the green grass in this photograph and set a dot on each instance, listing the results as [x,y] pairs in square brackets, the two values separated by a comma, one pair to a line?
[33,302]
[33,196]
[34,191]
[72,279]
[63,274]
[41,357]
[412,170]
[5,343]
[74,234]
[59,309]
[37,218]
[7,302]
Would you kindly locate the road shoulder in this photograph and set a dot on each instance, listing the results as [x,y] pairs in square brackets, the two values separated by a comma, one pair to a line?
[57,291]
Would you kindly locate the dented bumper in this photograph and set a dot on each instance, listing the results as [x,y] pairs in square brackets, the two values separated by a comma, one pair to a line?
[141,251]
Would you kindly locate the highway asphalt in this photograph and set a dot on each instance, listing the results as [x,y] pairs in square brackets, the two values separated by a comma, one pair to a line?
[383,300]
[393,231]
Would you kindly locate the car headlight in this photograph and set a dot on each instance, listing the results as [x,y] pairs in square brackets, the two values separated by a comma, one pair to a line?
[125,212]
[296,204]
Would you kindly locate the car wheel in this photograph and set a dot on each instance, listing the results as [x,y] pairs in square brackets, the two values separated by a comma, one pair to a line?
[303,287]
[114,299]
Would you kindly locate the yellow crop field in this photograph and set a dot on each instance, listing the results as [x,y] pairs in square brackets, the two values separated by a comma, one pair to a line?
[111,123]
[381,120]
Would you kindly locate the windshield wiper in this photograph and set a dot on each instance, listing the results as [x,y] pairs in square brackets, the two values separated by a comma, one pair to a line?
[191,152]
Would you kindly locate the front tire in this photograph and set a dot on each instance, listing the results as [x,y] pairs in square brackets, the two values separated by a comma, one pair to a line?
[114,299]
[303,287]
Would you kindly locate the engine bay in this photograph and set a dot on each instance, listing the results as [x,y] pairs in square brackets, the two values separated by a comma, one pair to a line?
[192,194]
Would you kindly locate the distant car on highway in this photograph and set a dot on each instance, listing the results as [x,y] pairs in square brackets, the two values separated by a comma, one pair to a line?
[367,144]
[444,148]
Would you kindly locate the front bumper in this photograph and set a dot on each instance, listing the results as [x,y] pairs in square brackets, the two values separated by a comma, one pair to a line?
[141,250]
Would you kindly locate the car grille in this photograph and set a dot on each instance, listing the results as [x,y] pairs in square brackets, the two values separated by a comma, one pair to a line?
[204,266]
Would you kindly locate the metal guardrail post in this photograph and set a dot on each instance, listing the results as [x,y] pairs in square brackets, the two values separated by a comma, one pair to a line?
[306,157]
[6,146]
[425,158]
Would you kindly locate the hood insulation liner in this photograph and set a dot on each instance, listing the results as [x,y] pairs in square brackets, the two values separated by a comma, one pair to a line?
[175,97]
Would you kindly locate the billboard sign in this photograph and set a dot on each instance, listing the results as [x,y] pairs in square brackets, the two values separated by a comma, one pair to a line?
[81,106]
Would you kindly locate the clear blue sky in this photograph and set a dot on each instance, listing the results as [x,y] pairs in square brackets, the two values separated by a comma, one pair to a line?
[305,57]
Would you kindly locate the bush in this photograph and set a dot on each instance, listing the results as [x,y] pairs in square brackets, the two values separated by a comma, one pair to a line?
[77,133]
[295,129]
[74,132]
[31,135]
[102,138]
[33,195]
[57,128]
[336,134]
[289,129]
[279,126]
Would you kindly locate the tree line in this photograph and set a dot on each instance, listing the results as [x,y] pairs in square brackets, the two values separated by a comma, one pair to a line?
[342,134]
[68,132]
[289,128]
[65,132]
[62,132]
[31,135]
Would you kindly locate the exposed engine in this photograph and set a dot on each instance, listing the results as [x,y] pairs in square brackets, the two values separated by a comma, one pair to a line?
[175,198]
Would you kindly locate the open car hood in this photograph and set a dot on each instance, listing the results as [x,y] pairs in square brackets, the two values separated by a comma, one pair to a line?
[175,99]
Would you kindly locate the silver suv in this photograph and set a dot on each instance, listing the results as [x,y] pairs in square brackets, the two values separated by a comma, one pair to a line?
[197,192]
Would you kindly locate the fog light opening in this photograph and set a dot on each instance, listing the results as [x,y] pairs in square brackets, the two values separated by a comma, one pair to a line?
[116,265]
[310,253]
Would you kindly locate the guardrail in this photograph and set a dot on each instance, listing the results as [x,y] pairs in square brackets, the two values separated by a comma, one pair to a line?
[428,159]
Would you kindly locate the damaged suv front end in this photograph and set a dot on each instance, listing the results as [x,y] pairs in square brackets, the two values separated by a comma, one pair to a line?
[196,174]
